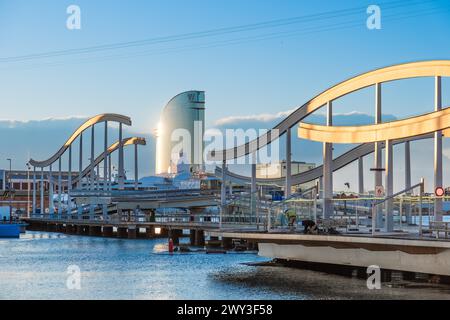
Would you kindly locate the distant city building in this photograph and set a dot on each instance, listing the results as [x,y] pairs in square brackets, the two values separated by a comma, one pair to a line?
[180,132]
[278,170]
[16,187]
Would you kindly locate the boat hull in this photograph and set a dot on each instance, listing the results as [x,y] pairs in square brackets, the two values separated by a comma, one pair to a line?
[9,230]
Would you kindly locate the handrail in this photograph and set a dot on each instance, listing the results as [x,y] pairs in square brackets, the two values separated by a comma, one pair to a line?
[421,184]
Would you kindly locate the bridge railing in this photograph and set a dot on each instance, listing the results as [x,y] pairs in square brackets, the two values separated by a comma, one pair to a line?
[396,213]
[304,204]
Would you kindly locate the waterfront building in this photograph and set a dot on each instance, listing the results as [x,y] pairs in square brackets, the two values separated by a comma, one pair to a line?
[180,131]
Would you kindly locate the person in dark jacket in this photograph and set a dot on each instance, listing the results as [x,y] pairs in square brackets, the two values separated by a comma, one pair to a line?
[310,227]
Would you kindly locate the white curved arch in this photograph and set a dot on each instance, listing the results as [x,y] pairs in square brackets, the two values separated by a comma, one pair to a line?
[391,73]
[90,122]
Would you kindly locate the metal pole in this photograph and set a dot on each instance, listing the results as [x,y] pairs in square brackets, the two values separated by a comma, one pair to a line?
[360,176]
[222,192]
[28,192]
[408,179]
[34,190]
[438,151]
[223,186]
[69,182]
[121,169]
[253,188]
[109,172]
[59,187]
[422,188]
[316,192]
[374,215]
[80,167]
[136,167]
[50,191]
[377,154]
[42,191]
[105,159]
[389,223]
[92,182]
[400,212]
[287,187]
[105,169]
[327,169]
[80,163]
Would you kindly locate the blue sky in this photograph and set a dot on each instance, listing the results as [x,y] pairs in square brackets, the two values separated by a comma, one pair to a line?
[244,79]
[249,78]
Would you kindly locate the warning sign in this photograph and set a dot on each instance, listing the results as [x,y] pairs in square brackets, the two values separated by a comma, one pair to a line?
[379,191]
[439,191]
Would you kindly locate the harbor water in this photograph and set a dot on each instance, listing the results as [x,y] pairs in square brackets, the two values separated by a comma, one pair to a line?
[40,265]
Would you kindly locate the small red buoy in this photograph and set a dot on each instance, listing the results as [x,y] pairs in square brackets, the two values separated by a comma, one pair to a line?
[170,245]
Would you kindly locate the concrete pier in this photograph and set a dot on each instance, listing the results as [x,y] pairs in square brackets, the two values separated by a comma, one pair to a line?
[199,238]
[95,231]
[150,232]
[192,237]
[227,243]
[107,231]
[79,230]
[122,232]
[132,232]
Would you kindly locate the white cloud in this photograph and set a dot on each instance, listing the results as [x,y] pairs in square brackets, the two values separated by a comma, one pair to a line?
[264,117]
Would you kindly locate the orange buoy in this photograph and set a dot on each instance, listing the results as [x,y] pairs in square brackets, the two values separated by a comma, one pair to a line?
[170,245]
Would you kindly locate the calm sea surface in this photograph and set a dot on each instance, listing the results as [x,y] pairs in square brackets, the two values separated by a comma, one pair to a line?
[35,267]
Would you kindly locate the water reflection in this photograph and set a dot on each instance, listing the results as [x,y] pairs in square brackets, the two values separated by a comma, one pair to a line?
[35,267]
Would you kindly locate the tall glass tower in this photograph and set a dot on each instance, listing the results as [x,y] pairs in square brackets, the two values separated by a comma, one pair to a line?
[180,132]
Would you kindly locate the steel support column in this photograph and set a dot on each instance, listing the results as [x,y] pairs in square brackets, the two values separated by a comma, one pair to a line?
[121,169]
[92,174]
[109,172]
[327,169]
[408,180]
[51,210]
[253,177]
[80,167]
[105,168]
[69,182]
[360,175]
[438,151]
[59,187]
[223,185]
[34,190]
[389,223]
[136,178]
[378,181]
[288,185]
[105,159]
[42,191]
[80,162]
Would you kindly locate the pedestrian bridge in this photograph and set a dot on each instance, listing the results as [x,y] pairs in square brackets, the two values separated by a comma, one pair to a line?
[371,139]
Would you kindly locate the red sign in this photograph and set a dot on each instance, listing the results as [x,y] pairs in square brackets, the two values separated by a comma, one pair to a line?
[439,191]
